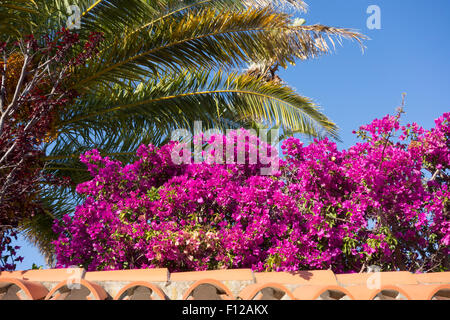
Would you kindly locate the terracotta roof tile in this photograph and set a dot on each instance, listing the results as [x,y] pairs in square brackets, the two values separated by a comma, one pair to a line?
[436,277]
[317,277]
[425,292]
[158,275]
[266,291]
[386,292]
[130,292]
[51,275]
[208,288]
[221,275]
[25,290]
[244,284]
[395,277]
[77,290]
[322,293]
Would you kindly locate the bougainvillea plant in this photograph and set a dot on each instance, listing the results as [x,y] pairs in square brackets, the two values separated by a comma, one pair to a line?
[34,85]
[9,256]
[384,201]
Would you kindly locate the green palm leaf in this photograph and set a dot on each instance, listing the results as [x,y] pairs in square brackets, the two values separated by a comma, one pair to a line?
[227,39]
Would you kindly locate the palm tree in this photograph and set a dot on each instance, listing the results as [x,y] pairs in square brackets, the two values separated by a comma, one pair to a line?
[164,64]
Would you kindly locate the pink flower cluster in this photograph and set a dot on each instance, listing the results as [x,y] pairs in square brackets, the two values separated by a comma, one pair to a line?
[380,202]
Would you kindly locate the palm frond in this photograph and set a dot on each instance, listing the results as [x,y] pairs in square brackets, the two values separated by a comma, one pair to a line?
[175,99]
[283,4]
[13,15]
[227,39]
[56,202]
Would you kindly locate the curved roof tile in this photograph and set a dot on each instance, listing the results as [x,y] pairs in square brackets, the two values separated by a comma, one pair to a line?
[221,284]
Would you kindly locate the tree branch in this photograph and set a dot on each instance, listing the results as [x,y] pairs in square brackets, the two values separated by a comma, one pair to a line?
[3,85]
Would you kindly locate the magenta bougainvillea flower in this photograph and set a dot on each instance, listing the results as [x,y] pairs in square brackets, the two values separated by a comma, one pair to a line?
[384,201]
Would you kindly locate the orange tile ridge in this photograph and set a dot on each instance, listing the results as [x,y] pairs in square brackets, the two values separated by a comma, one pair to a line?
[255,291]
[315,284]
[365,293]
[316,277]
[155,275]
[314,292]
[96,291]
[32,290]
[220,275]
[51,275]
[435,277]
[384,278]
[424,292]
[221,289]
[154,290]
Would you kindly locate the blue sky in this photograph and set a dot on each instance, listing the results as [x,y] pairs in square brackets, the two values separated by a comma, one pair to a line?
[410,53]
